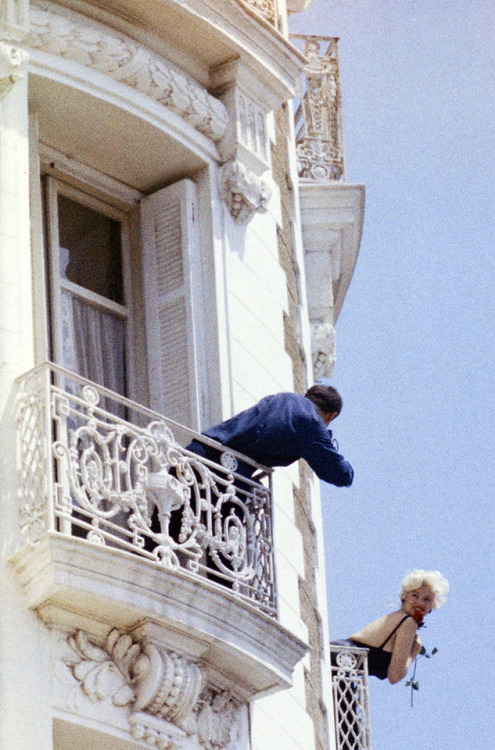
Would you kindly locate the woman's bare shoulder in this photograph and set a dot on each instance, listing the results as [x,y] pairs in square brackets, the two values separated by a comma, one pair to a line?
[375,632]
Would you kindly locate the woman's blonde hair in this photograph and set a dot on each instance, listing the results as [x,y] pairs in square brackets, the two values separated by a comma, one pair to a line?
[431,578]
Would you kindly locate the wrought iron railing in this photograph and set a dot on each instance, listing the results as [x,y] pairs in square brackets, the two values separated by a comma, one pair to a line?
[267,9]
[318,117]
[99,466]
[351,697]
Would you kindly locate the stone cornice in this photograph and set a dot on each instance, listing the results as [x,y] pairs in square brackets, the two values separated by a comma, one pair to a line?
[74,37]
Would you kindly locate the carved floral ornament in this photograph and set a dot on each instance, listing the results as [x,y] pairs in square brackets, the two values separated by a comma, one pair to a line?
[162,691]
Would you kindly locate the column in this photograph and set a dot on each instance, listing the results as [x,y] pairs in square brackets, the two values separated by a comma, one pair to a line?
[25,711]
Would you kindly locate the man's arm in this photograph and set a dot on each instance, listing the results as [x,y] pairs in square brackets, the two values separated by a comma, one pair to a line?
[326,462]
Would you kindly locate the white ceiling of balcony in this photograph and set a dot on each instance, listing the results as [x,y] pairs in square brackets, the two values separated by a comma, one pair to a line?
[111,139]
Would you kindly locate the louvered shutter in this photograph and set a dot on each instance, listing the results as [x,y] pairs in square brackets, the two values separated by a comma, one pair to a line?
[170,244]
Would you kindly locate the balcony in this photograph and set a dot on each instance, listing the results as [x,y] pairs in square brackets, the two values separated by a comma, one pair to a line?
[351,697]
[124,524]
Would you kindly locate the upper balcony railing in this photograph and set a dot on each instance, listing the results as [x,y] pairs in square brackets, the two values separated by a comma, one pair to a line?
[318,118]
[351,697]
[101,467]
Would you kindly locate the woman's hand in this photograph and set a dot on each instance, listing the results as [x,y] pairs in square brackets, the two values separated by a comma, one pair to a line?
[418,615]
[416,647]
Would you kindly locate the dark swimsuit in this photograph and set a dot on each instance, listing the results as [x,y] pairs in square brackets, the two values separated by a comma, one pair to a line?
[378,659]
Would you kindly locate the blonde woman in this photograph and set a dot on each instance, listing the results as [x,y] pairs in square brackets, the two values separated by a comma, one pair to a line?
[393,639]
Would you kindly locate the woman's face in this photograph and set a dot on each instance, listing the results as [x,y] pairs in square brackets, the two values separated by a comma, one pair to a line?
[418,602]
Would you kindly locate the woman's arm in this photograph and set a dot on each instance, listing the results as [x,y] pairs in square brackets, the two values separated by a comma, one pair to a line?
[406,647]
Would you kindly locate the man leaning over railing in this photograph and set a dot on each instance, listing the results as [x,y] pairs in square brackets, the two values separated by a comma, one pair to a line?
[283,428]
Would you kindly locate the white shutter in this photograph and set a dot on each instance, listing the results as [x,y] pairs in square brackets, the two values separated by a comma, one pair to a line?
[170,243]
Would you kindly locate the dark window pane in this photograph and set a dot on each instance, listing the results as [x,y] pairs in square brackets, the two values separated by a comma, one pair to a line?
[90,249]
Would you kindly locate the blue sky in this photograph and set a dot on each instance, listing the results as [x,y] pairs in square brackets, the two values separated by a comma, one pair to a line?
[416,351]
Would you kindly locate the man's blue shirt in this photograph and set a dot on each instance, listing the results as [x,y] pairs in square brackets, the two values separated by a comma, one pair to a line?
[279,430]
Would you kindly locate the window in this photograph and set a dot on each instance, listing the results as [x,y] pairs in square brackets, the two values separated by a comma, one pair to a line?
[90,299]
[125,304]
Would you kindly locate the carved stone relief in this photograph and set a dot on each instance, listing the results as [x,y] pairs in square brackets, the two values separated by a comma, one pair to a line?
[243,191]
[162,692]
[322,348]
[319,140]
[88,42]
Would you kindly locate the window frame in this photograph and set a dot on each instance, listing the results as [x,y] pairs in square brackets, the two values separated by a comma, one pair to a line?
[57,285]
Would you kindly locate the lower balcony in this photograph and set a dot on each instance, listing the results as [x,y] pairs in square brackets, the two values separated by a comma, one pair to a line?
[127,528]
[351,697]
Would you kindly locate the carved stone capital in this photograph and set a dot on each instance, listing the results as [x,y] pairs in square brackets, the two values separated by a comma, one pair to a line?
[243,191]
[13,61]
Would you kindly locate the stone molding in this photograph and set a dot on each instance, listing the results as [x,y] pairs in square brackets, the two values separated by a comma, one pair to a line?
[13,61]
[72,36]
[164,694]
[243,191]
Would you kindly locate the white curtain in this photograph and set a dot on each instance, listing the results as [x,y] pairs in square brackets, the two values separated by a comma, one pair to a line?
[93,343]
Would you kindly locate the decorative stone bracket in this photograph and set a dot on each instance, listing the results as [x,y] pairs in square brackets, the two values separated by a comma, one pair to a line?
[332,220]
[243,191]
[163,691]
[244,147]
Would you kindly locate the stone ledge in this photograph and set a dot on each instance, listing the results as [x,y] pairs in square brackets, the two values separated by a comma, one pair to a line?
[73,584]
[332,215]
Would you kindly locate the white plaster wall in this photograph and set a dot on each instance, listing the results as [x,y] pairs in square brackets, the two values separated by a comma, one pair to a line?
[256,300]
[25,716]
[256,289]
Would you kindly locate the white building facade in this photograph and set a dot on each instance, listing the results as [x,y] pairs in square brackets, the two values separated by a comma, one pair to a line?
[172,250]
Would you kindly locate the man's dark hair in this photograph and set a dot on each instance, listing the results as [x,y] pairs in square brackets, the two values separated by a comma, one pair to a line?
[326,398]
